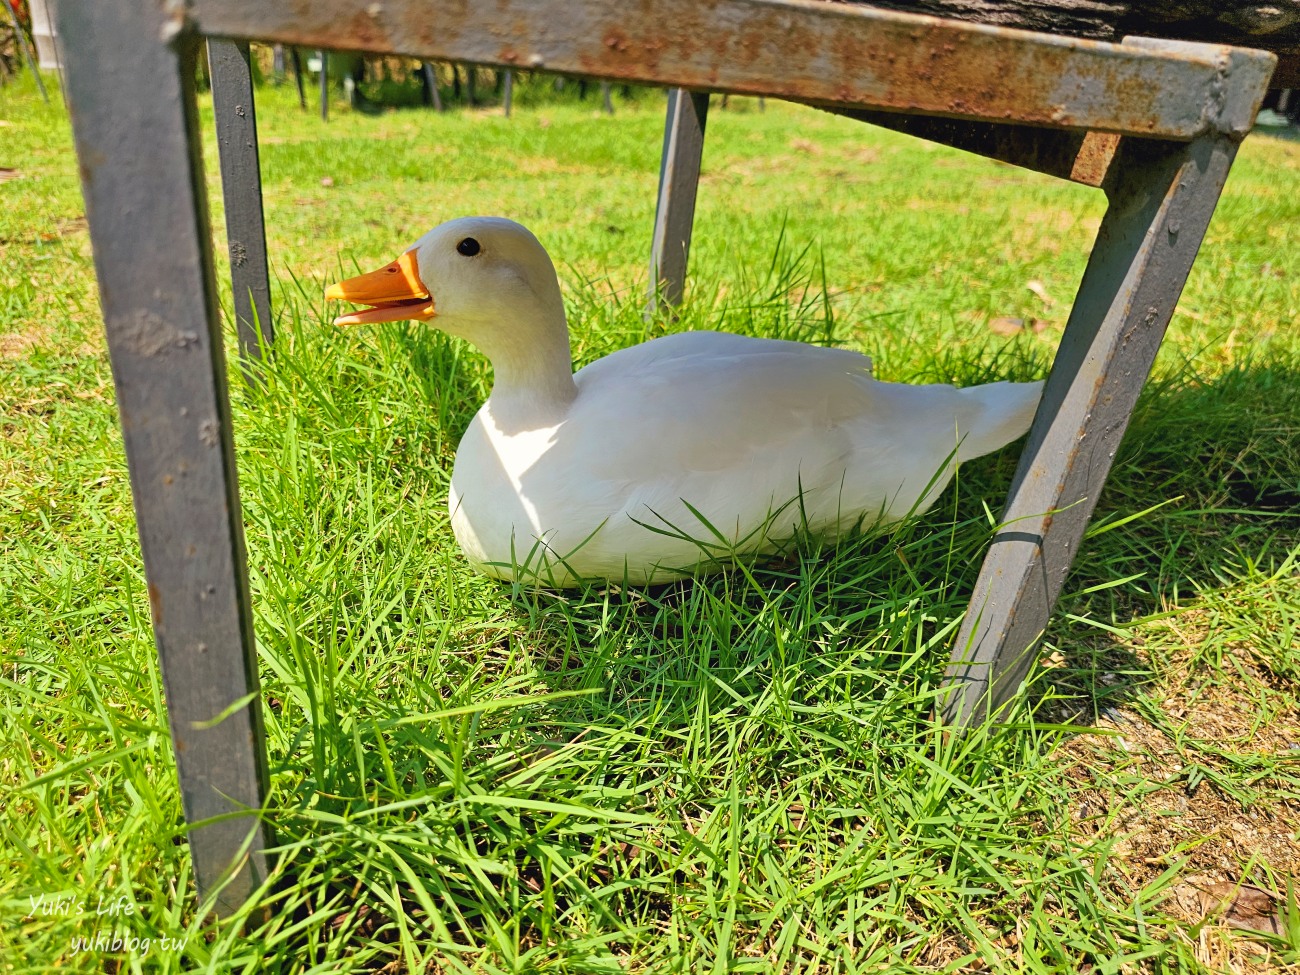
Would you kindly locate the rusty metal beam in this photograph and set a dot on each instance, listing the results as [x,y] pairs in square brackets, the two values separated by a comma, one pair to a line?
[1271,25]
[804,50]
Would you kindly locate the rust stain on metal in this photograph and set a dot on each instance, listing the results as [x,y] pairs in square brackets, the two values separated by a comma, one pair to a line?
[1094,158]
[365,28]
[175,21]
[847,55]
[617,41]
[155,605]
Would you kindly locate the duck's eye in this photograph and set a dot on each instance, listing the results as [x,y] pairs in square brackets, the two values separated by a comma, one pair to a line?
[469,247]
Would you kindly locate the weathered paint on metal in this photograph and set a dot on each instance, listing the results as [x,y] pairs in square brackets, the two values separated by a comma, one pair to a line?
[241,188]
[1083,157]
[134,116]
[679,177]
[1162,195]
[826,53]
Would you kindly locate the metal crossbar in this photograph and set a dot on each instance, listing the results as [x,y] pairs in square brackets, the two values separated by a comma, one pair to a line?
[1155,124]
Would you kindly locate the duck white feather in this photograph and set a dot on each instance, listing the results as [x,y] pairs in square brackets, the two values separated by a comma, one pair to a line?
[669,457]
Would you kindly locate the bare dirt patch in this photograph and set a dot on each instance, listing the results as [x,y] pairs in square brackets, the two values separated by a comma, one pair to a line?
[16,345]
[1197,786]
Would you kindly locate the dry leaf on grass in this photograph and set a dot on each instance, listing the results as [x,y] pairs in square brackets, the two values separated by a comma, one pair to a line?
[1038,288]
[1006,325]
[1244,906]
[6,174]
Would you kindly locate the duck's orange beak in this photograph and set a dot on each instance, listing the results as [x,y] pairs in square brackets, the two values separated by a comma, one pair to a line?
[394,292]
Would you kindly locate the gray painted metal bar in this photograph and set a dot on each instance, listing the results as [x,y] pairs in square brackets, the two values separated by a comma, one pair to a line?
[324,85]
[131,88]
[679,178]
[849,55]
[241,186]
[1162,195]
[431,86]
[296,59]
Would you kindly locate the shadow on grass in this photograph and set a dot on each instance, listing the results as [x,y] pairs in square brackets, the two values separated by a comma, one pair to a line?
[1215,464]
[1284,133]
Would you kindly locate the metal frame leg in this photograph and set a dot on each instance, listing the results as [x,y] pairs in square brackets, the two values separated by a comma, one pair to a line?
[152,246]
[241,187]
[1162,195]
[432,97]
[296,60]
[324,85]
[27,53]
[679,178]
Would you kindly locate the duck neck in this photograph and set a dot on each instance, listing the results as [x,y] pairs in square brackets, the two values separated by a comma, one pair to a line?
[532,370]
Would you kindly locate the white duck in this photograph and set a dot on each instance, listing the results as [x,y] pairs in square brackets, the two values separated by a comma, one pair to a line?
[666,458]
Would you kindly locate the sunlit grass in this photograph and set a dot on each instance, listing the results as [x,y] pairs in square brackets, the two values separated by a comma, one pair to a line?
[739,774]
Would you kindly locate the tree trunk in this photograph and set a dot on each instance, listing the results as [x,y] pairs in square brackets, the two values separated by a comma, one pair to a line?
[1272,26]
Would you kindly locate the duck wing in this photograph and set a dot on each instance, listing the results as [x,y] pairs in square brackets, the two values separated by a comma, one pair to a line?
[729,429]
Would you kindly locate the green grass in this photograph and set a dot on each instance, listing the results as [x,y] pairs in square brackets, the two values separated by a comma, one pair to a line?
[737,774]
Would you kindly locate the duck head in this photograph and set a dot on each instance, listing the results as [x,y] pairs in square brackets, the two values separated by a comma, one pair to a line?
[470,277]
[489,281]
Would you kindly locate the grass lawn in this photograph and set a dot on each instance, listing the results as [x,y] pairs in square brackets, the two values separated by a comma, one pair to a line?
[736,774]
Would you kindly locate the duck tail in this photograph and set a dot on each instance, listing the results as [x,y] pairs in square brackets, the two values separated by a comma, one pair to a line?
[996,414]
